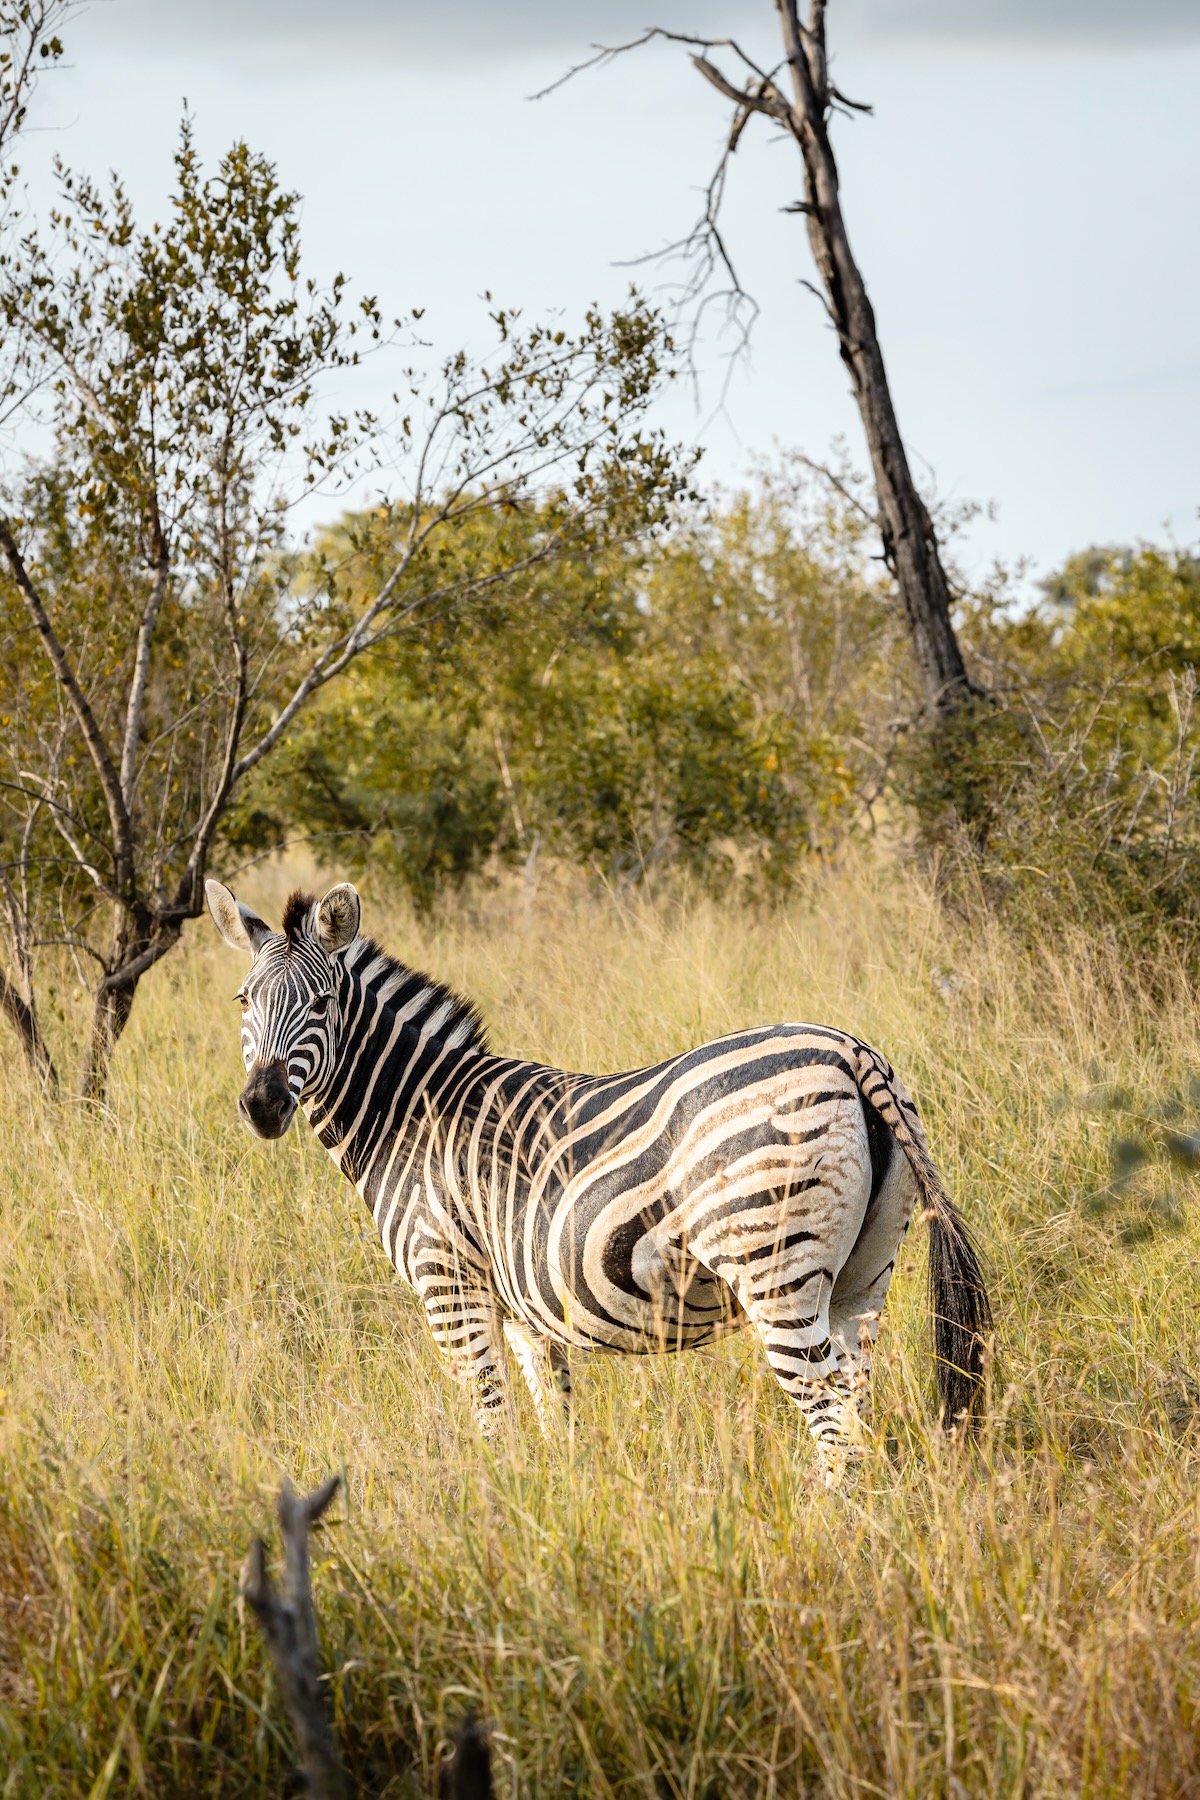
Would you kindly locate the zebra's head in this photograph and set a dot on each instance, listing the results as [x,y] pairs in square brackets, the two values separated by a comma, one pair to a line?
[288,999]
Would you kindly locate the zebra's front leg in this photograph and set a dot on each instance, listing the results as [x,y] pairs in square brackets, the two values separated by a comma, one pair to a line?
[465,1323]
[547,1374]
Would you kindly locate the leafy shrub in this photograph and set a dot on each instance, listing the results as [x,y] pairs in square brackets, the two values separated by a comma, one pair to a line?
[696,707]
[1070,797]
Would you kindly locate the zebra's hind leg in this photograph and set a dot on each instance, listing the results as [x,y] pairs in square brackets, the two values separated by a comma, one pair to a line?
[861,1288]
[794,1326]
[547,1374]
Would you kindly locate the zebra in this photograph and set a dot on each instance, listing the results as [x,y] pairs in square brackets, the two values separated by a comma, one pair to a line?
[754,1180]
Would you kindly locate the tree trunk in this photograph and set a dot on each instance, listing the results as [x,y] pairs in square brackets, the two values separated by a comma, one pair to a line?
[909,540]
[22,1015]
[111,1008]
[135,951]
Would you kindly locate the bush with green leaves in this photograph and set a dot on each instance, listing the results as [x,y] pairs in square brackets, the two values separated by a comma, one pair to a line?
[709,704]
[1069,794]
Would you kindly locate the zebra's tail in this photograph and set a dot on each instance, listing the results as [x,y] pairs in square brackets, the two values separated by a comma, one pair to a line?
[962,1313]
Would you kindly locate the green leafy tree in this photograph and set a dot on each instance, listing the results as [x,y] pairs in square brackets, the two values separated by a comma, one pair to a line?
[177,641]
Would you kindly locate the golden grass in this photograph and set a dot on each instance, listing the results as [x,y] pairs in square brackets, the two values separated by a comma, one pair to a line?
[673,1606]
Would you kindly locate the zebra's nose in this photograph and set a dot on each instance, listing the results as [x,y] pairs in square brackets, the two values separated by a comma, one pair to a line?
[266,1101]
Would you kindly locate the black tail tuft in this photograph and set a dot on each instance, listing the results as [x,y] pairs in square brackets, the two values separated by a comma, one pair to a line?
[962,1316]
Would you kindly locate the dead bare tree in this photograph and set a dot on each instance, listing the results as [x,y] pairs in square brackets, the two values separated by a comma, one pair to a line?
[910,542]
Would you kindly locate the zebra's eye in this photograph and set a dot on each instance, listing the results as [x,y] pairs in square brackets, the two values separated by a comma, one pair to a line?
[320,1004]
[242,1001]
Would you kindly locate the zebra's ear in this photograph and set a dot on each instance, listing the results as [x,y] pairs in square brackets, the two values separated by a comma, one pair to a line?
[338,917]
[241,928]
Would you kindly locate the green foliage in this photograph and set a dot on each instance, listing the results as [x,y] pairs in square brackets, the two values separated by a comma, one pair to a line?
[1071,793]
[1135,613]
[632,712]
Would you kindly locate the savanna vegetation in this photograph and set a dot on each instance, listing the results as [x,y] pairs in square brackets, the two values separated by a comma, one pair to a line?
[633,762]
[728,702]
[671,1603]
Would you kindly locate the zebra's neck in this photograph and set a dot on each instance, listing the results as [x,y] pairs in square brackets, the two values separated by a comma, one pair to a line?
[404,1039]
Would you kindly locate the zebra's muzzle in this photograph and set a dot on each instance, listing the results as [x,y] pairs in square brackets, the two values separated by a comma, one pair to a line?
[266,1101]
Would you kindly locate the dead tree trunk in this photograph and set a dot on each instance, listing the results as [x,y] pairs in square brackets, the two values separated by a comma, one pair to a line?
[909,541]
[289,1624]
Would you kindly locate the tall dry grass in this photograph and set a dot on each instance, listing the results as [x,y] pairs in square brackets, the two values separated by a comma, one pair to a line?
[672,1605]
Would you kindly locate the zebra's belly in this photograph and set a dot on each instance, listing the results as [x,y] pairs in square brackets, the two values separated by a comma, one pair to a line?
[655,1298]
[648,1324]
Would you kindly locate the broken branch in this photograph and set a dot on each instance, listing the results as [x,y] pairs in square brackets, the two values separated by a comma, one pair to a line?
[289,1625]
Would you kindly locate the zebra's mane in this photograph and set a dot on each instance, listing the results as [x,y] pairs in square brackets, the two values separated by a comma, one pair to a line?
[419,996]
[295,913]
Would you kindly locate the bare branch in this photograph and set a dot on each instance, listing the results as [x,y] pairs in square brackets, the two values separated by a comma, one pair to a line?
[704,246]
[860,106]
[811,286]
[126,977]
[763,96]
[330,662]
[606,53]
[43,799]
[69,943]
[141,667]
[289,1625]
[836,482]
[90,730]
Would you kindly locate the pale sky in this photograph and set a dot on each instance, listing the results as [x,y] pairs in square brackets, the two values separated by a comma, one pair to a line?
[1024,205]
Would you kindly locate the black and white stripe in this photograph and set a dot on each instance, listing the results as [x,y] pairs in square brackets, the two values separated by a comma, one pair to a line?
[753,1180]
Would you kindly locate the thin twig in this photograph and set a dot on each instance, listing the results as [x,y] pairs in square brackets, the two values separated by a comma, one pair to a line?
[835,481]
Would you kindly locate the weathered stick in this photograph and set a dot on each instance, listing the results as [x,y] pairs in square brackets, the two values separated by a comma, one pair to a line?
[290,1627]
